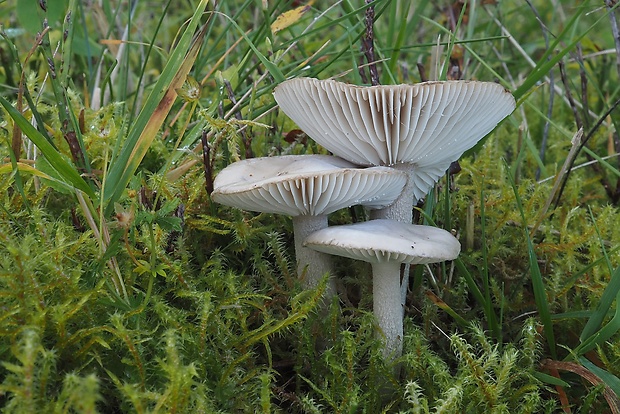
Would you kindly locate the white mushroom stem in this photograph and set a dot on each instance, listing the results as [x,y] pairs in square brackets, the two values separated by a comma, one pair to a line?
[311,264]
[386,306]
[402,209]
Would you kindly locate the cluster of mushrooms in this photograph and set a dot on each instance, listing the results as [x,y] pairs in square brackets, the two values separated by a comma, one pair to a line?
[390,144]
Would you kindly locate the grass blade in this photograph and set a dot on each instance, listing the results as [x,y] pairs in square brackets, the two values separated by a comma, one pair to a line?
[67,173]
[154,112]
[473,288]
[545,64]
[590,337]
[277,74]
[538,285]
[607,377]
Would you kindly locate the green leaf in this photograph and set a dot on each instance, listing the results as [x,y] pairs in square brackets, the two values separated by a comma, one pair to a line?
[550,379]
[52,179]
[63,170]
[28,15]
[151,117]
[168,207]
[169,223]
[143,267]
[607,377]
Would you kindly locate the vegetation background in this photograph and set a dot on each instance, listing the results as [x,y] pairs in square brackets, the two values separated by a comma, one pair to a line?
[124,289]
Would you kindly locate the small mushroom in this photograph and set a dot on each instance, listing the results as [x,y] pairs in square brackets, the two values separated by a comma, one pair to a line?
[386,244]
[308,188]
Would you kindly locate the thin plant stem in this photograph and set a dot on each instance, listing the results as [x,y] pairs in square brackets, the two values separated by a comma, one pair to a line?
[583,144]
[545,134]
[368,47]
[611,6]
[575,143]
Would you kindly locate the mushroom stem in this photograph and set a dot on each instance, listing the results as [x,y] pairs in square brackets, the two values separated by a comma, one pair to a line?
[401,210]
[387,307]
[311,263]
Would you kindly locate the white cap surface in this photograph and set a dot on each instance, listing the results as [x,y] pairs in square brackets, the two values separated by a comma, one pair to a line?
[380,241]
[305,185]
[428,124]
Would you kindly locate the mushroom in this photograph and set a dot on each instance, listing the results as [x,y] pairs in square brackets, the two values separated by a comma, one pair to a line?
[386,244]
[419,129]
[308,188]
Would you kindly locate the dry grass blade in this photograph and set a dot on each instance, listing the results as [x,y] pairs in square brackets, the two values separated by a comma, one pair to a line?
[583,372]
[574,150]
[154,113]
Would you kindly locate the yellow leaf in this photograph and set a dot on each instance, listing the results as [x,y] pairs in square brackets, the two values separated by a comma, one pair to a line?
[6,168]
[289,18]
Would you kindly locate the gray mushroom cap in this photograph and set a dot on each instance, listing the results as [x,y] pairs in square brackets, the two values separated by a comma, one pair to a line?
[428,124]
[380,241]
[305,185]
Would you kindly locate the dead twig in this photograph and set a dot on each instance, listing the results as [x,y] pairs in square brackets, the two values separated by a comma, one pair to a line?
[576,141]
[206,152]
[368,47]
[583,143]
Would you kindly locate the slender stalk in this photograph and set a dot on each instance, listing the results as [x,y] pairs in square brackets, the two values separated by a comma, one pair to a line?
[401,210]
[312,265]
[386,306]
[103,238]
[610,4]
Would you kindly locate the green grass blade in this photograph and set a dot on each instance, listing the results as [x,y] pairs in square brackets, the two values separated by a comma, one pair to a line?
[550,379]
[18,180]
[14,56]
[66,171]
[471,284]
[473,288]
[538,285]
[602,335]
[540,294]
[611,293]
[488,303]
[277,74]
[405,30]
[601,161]
[607,377]
[147,55]
[152,115]
[545,64]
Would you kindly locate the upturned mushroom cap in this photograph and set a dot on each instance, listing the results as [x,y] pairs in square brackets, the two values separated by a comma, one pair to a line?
[428,124]
[380,241]
[305,185]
